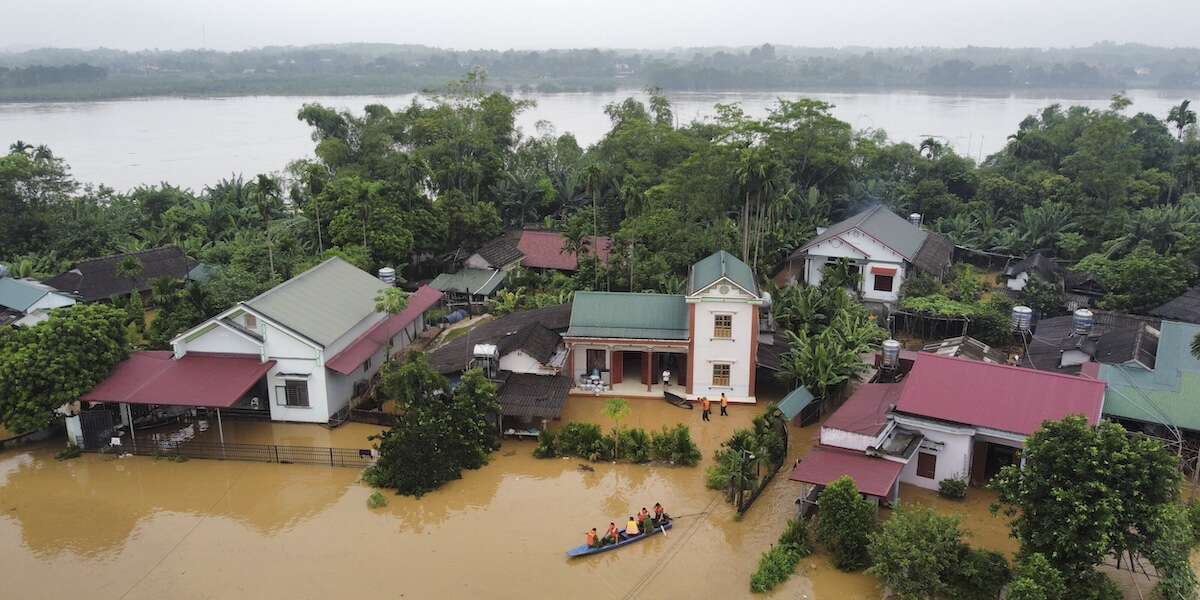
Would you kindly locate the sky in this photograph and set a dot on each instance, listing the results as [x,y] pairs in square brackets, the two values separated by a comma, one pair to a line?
[533,24]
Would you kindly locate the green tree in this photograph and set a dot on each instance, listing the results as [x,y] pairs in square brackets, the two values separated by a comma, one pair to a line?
[917,553]
[616,409]
[845,523]
[1182,117]
[1036,579]
[391,301]
[57,361]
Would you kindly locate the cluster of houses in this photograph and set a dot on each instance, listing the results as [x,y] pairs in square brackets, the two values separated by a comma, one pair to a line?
[956,409]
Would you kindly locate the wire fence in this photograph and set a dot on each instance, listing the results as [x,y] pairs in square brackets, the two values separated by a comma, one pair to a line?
[266,453]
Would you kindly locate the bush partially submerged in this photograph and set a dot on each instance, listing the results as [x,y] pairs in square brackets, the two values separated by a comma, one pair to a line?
[376,500]
[585,440]
[778,563]
[71,451]
[954,488]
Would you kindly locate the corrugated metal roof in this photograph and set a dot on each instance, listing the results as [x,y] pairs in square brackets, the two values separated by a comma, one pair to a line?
[19,294]
[794,402]
[882,224]
[1002,397]
[865,411]
[1166,394]
[721,264]
[482,282]
[824,464]
[323,303]
[1184,308]
[367,344]
[627,315]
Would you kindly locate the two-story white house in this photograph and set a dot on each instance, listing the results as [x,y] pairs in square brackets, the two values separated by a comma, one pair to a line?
[705,340]
[879,245]
[297,350]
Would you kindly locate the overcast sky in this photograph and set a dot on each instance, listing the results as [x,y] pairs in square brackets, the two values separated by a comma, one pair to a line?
[526,24]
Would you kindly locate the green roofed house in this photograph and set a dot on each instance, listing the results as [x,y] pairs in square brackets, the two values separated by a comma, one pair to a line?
[699,344]
[1162,391]
[469,287]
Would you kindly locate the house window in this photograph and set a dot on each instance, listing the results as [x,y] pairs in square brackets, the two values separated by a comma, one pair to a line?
[251,322]
[596,361]
[720,375]
[884,283]
[295,393]
[723,326]
[366,365]
[926,465]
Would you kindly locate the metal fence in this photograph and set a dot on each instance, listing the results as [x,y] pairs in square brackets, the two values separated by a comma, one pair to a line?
[268,453]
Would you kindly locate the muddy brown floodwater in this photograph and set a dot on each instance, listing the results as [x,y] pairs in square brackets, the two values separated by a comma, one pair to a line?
[102,527]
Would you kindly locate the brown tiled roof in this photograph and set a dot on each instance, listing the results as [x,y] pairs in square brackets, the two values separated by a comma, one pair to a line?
[533,396]
[454,355]
[96,278]
[935,254]
[502,250]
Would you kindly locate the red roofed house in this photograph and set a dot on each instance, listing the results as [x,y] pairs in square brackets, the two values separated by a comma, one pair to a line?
[531,249]
[947,418]
[297,351]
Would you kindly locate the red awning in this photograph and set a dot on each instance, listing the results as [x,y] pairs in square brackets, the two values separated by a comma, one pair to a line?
[872,476]
[197,379]
[883,271]
[367,344]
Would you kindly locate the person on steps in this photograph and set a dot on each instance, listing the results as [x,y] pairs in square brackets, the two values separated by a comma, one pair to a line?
[724,405]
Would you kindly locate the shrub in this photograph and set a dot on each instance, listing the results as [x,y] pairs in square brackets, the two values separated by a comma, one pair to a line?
[916,553]
[634,446]
[953,487]
[1036,579]
[980,575]
[675,446]
[71,451]
[796,536]
[1193,516]
[376,500]
[579,439]
[547,446]
[844,524]
[774,567]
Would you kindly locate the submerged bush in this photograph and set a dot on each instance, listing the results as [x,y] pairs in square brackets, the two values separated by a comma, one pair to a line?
[71,451]
[670,445]
[376,500]
[953,487]
[675,446]
[774,567]
[579,439]
[547,445]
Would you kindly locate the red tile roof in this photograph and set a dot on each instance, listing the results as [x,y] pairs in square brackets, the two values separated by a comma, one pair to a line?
[197,379]
[351,357]
[1002,397]
[872,475]
[544,250]
[865,411]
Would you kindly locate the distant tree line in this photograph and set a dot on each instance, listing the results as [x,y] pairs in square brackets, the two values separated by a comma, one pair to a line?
[43,74]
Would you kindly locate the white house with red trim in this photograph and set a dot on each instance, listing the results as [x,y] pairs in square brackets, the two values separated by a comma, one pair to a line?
[880,245]
[297,351]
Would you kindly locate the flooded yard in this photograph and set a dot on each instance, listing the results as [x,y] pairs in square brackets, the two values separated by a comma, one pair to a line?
[103,527]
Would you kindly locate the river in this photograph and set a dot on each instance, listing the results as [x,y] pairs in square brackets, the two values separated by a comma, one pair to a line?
[194,142]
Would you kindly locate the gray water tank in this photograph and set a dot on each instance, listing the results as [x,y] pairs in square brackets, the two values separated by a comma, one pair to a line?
[1082,320]
[1022,318]
[891,354]
[388,275]
[915,219]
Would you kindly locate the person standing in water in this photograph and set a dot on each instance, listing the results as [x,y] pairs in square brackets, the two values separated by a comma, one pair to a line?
[724,405]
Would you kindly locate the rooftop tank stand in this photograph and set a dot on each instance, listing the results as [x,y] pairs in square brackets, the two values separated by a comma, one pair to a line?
[889,362]
[1022,320]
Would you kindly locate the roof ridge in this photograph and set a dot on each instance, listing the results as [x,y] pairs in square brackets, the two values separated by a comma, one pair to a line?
[629,293]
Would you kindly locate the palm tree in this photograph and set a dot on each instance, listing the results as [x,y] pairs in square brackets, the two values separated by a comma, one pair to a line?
[129,268]
[266,196]
[1182,116]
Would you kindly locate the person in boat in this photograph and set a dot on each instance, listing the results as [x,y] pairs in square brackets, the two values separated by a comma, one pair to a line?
[592,541]
[611,536]
[660,515]
[644,518]
[631,528]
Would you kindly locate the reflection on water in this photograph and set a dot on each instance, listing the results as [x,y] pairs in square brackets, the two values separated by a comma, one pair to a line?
[215,529]
[195,142]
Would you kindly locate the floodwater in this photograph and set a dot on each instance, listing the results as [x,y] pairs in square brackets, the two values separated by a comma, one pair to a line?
[102,527]
[193,142]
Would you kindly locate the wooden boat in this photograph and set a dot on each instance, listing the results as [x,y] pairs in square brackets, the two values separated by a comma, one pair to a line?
[623,540]
[677,400]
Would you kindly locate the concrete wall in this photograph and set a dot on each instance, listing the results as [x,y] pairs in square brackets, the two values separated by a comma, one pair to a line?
[857,246]
[867,283]
[846,439]
[735,351]
[953,456]
[300,357]
[218,339]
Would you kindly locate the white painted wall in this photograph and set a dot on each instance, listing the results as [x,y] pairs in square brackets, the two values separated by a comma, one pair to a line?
[579,368]
[858,246]
[218,339]
[867,284]
[520,362]
[708,350]
[1019,282]
[953,455]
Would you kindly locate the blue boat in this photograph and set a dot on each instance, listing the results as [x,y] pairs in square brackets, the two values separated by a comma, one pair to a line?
[622,540]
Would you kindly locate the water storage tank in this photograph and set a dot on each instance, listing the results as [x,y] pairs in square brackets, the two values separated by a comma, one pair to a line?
[891,354]
[1082,320]
[1022,318]
[388,275]
[915,219]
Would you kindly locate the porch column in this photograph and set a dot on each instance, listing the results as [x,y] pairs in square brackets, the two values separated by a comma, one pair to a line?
[646,369]
[617,370]
[571,364]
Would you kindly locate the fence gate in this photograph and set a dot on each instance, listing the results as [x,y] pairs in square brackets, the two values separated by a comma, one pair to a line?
[97,426]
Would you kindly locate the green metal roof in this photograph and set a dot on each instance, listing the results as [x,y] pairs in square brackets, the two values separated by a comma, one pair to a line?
[323,303]
[721,264]
[19,294]
[480,282]
[1169,394]
[627,315]
[794,402]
